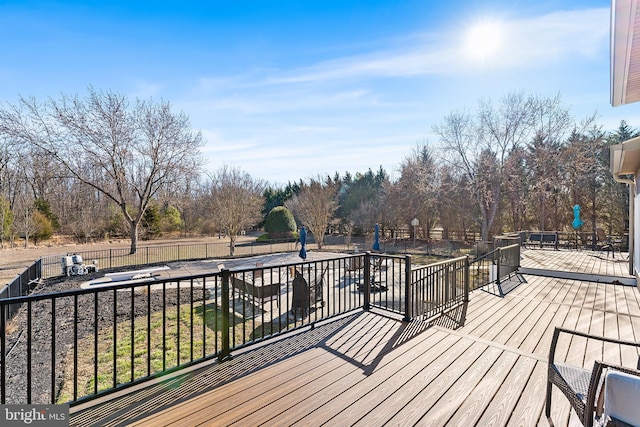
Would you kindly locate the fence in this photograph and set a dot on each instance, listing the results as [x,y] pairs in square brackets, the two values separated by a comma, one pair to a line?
[494,266]
[50,266]
[113,258]
[22,285]
[76,345]
[438,287]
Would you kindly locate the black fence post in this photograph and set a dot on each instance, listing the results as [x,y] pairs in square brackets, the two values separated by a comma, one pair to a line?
[38,269]
[225,352]
[498,283]
[407,289]
[466,278]
[367,280]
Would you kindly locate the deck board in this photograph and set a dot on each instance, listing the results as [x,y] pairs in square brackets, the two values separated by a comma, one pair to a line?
[371,370]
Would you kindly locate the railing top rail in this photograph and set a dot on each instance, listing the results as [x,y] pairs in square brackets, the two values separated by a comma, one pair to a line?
[487,255]
[118,286]
[439,263]
[100,288]
[510,247]
[480,258]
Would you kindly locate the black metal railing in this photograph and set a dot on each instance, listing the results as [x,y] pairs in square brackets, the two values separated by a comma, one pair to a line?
[493,267]
[21,285]
[438,287]
[73,346]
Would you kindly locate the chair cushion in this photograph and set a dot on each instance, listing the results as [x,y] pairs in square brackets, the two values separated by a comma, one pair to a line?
[622,397]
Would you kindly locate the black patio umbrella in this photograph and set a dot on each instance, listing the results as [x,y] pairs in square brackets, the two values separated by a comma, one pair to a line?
[376,237]
[303,243]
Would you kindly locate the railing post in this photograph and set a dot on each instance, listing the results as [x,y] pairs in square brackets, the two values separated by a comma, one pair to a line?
[407,289]
[466,279]
[498,283]
[225,352]
[499,255]
[39,269]
[367,280]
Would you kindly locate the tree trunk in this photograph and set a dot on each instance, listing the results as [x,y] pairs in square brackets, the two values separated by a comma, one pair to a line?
[134,236]
[232,244]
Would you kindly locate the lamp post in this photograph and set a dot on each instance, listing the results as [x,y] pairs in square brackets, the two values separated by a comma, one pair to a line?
[415,223]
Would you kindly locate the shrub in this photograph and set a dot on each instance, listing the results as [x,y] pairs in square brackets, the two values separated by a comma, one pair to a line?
[280,223]
[44,228]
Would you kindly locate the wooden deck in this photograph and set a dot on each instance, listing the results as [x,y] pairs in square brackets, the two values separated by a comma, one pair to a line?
[483,364]
[587,262]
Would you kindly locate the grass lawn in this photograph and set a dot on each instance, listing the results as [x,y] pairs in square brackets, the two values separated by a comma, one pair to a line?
[187,336]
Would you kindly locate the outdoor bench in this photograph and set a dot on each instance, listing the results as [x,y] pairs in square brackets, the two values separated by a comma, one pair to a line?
[264,293]
[541,239]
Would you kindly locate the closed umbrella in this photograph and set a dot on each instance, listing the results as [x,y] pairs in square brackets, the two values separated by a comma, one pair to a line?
[376,237]
[303,243]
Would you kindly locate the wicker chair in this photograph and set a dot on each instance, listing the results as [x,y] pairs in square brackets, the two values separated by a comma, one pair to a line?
[580,386]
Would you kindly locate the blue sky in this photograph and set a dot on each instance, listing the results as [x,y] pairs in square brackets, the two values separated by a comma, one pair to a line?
[291,89]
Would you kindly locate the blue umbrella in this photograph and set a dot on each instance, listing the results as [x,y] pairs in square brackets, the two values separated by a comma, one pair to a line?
[303,242]
[376,237]
[577,222]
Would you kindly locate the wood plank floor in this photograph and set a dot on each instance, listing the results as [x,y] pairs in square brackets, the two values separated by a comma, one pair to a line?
[483,364]
[589,262]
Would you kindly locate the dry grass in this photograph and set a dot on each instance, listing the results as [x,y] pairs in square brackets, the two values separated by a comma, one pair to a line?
[196,338]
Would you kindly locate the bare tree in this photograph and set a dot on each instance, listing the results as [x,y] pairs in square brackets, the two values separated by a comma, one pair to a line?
[24,222]
[480,147]
[314,206]
[236,201]
[125,152]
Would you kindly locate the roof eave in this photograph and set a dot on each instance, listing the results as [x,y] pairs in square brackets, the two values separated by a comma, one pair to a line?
[623,13]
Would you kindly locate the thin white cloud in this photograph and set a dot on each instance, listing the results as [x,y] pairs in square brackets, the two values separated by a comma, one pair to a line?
[557,36]
[528,42]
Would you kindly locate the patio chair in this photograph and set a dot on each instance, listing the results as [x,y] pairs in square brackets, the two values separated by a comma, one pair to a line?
[618,402]
[582,387]
[605,243]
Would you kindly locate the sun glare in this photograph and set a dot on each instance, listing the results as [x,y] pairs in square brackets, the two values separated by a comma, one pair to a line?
[484,39]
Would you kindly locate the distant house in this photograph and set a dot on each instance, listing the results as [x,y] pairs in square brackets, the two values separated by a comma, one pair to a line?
[625,89]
